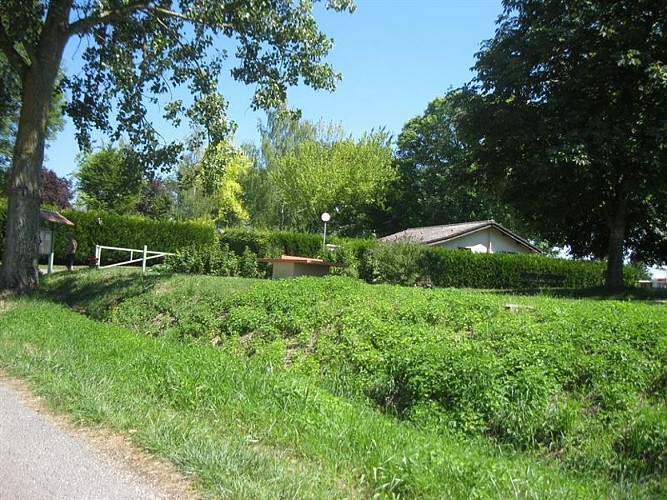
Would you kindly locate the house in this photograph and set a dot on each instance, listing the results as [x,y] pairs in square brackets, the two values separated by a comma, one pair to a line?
[478,237]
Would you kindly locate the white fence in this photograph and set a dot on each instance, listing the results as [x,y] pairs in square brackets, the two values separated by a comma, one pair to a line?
[145,255]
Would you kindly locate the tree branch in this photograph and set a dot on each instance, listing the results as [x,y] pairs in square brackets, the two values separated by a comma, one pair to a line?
[13,56]
[108,16]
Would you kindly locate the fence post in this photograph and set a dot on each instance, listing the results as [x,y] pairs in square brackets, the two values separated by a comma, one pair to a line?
[98,255]
[143,264]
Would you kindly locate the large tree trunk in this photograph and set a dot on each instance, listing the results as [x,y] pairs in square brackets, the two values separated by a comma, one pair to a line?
[19,258]
[617,223]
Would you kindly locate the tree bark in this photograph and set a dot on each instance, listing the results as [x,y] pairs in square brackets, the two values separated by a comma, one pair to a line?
[19,259]
[614,275]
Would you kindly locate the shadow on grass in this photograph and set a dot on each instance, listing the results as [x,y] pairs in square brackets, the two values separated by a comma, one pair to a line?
[96,292]
[596,293]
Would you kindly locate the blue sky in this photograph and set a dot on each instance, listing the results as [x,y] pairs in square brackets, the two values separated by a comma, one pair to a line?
[395,56]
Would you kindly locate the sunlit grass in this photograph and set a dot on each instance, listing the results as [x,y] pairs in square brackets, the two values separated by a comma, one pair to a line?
[247,428]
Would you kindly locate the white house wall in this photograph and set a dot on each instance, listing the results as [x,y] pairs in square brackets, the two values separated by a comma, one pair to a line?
[480,241]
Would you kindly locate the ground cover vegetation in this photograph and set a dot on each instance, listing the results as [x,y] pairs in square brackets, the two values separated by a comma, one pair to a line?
[580,383]
[333,388]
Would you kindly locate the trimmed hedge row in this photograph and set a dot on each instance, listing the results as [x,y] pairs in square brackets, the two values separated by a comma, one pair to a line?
[267,243]
[103,228]
[107,229]
[372,261]
[412,263]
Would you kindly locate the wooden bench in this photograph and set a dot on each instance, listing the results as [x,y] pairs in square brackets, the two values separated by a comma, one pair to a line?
[541,280]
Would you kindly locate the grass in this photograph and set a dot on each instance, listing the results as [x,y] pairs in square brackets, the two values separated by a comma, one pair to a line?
[272,412]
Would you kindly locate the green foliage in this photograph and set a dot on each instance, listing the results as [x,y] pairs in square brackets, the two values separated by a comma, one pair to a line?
[579,382]
[215,261]
[244,427]
[110,180]
[642,445]
[410,263]
[267,243]
[208,184]
[567,118]
[10,109]
[434,162]
[454,268]
[102,228]
[281,133]
[344,177]
[135,56]
[400,263]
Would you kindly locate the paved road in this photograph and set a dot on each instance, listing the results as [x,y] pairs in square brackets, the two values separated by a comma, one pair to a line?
[40,460]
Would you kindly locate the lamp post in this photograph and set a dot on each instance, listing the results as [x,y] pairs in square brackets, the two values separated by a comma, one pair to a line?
[325,219]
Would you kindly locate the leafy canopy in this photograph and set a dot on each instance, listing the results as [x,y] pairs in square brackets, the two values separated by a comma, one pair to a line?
[134,51]
[133,54]
[345,177]
[568,117]
[110,179]
[438,179]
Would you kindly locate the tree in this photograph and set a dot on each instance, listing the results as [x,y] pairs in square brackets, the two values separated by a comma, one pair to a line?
[568,117]
[110,179]
[209,185]
[10,106]
[54,190]
[133,52]
[281,133]
[437,181]
[157,198]
[345,177]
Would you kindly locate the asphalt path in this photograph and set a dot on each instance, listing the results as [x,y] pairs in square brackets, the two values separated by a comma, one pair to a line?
[40,459]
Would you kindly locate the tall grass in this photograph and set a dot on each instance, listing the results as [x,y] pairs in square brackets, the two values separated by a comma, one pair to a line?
[246,427]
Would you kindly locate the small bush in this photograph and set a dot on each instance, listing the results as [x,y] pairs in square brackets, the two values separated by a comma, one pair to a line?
[215,261]
[399,263]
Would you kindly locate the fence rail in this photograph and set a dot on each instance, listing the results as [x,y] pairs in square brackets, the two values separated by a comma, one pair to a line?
[146,255]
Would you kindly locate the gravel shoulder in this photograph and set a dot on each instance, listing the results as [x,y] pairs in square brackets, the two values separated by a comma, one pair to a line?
[43,455]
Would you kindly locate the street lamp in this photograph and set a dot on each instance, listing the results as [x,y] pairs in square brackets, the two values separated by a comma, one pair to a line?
[325,219]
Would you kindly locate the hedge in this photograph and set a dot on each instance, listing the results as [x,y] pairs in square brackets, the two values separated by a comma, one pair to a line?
[411,263]
[103,228]
[267,243]
[107,229]
[372,261]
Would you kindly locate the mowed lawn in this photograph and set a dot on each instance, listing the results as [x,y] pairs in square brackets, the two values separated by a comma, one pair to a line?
[331,388]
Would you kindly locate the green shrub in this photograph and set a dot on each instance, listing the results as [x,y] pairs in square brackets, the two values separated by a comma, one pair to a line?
[107,229]
[398,263]
[265,243]
[410,263]
[465,269]
[215,261]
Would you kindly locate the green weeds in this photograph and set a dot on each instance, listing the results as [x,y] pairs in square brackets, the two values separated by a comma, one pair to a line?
[248,429]
[580,383]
